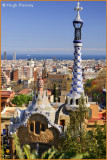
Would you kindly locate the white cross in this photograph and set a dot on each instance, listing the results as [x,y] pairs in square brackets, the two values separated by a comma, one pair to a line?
[78,9]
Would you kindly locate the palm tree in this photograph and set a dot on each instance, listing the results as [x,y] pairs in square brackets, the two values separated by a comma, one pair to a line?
[18,148]
[51,153]
[26,153]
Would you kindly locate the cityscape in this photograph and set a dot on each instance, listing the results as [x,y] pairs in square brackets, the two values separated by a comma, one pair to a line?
[53,99]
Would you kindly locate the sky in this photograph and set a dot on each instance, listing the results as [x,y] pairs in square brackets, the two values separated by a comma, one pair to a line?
[45,27]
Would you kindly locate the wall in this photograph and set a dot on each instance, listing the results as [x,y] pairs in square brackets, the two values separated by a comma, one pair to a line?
[49,136]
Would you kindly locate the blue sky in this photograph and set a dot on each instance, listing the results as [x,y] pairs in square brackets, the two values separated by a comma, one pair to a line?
[47,27]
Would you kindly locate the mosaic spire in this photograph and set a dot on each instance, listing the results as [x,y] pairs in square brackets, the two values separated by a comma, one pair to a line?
[77,84]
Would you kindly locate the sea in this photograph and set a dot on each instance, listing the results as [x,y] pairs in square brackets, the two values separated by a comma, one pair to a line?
[50,56]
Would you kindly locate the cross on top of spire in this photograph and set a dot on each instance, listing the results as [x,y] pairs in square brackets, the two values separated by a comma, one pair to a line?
[78,8]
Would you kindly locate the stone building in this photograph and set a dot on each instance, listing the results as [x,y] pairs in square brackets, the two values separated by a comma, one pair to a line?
[37,122]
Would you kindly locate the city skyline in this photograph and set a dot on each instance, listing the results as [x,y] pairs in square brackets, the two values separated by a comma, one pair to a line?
[50,29]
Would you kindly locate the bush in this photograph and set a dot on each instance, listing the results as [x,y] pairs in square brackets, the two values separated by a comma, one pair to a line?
[21,99]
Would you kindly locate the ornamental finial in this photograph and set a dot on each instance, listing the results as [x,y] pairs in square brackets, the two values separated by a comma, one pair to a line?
[78,9]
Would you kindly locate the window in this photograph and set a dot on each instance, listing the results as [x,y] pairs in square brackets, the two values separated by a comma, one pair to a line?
[71,101]
[90,126]
[37,127]
[76,101]
[42,127]
[62,123]
[32,127]
[90,113]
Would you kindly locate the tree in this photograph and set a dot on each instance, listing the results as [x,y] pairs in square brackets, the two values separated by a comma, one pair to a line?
[96,143]
[88,82]
[53,153]
[78,142]
[3,148]
[101,79]
[74,139]
[18,148]
[93,87]
[55,92]
[21,99]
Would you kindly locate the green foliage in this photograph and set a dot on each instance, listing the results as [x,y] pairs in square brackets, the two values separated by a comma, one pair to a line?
[2,151]
[49,154]
[88,82]
[53,153]
[79,143]
[21,99]
[74,139]
[18,148]
[93,87]
[26,153]
[96,143]
[55,93]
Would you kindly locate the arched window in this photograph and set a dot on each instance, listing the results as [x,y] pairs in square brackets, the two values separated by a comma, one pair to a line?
[77,101]
[71,101]
[66,100]
[37,127]
[42,127]
[32,127]
[58,99]
[62,123]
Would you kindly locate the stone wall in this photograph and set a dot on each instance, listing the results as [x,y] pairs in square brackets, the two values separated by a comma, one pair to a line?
[49,136]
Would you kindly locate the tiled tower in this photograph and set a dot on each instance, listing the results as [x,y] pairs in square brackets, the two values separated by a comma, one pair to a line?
[77,84]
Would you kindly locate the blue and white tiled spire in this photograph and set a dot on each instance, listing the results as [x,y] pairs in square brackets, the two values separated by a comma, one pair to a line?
[77,84]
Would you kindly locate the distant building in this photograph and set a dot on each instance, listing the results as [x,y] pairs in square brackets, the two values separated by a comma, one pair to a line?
[6,97]
[62,81]
[44,73]
[53,58]
[16,74]
[3,78]
[14,56]
[95,115]
[5,55]
[27,82]
[27,72]
[35,76]
[30,63]
[25,91]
